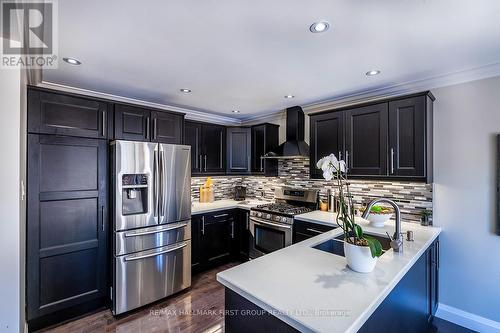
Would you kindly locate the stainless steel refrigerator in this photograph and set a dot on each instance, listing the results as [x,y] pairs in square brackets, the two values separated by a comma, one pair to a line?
[152,222]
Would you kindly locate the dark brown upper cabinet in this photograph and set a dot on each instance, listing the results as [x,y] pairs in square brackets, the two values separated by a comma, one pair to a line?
[166,127]
[66,114]
[132,123]
[366,140]
[208,147]
[213,148]
[327,136]
[387,139]
[265,138]
[410,131]
[238,150]
[142,124]
[192,137]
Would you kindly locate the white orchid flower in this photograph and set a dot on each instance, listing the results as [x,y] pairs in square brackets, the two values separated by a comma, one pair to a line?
[330,165]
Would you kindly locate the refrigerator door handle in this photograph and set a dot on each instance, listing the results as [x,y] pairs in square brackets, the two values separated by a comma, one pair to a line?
[162,185]
[156,184]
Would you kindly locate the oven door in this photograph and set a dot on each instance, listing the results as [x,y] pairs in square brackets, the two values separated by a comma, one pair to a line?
[266,236]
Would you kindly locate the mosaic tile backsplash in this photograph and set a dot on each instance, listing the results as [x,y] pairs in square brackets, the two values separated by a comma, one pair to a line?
[412,197]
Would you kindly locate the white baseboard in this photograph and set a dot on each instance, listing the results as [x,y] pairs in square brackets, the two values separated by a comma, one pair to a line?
[467,319]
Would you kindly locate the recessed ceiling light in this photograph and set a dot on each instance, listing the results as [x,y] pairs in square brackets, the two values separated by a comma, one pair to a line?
[319,27]
[372,72]
[186,91]
[235,111]
[289,96]
[72,61]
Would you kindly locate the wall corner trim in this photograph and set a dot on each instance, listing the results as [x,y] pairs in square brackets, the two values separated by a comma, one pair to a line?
[467,319]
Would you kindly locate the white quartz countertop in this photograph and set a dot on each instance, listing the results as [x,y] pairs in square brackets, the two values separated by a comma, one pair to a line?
[201,208]
[315,291]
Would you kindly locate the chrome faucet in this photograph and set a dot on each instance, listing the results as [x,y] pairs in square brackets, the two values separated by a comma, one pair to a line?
[396,240]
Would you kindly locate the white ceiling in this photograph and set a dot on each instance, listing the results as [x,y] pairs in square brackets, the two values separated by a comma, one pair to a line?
[247,55]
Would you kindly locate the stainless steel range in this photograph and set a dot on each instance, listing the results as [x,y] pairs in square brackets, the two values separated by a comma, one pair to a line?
[271,225]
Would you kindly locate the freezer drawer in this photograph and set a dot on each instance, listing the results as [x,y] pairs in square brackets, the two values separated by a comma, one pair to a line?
[130,241]
[147,276]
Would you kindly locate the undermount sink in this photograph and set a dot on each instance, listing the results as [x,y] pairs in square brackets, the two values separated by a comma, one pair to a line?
[336,245]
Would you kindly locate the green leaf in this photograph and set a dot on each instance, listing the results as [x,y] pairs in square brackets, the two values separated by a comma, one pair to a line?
[375,246]
[358,231]
[376,209]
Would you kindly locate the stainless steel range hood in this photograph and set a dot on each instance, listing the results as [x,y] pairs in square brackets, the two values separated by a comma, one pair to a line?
[294,146]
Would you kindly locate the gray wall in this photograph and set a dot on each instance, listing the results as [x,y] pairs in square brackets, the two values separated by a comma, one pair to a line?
[10,207]
[466,121]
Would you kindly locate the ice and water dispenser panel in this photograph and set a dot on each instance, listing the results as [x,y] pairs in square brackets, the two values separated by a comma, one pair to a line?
[134,194]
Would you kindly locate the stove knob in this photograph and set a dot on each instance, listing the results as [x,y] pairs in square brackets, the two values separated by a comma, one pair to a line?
[259,214]
[277,218]
[283,219]
[268,216]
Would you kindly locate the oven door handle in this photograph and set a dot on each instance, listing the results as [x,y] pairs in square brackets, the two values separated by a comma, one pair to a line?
[282,226]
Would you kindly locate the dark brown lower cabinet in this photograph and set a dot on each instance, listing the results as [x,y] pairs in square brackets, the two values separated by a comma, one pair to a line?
[66,227]
[218,237]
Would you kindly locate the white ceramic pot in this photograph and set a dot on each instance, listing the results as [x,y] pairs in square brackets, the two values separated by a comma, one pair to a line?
[359,258]
[378,220]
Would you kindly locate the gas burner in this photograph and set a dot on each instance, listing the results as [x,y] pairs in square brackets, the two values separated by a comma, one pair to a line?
[282,208]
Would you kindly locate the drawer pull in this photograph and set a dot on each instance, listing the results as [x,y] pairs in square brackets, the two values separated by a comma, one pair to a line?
[157,253]
[315,231]
[150,232]
[220,215]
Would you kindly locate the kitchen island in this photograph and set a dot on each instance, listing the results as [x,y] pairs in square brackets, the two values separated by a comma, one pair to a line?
[300,288]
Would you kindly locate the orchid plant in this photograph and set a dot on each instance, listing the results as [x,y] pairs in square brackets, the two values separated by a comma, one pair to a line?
[353,233]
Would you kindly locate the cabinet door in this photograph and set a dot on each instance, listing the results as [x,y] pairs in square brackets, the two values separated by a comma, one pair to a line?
[407,137]
[213,143]
[196,234]
[238,150]
[66,223]
[366,140]
[326,137]
[434,278]
[192,137]
[242,234]
[132,123]
[55,113]
[167,127]
[217,238]
[258,148]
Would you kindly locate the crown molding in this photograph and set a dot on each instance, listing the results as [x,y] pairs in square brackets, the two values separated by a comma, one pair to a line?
[190,113]
[449,79]
[262,117]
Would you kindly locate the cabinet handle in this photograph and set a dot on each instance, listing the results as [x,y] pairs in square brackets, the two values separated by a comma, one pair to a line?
[147,128]
[220,215]
[437,255]
[346,161]
[340,155]
[221,152]
[247,221]
[232,230]
[392,161]
[154,128]
[261,164]
[102,218]
[103,123]
[315,231]
[200,163]
[205,162]
[203,225]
